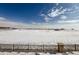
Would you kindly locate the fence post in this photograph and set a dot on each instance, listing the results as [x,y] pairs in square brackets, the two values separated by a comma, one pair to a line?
[0,47]
[60,47]
[43,47]
[75,47]
[13,47]
[28,47]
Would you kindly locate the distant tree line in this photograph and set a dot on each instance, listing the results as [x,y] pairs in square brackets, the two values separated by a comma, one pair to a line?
[7,28]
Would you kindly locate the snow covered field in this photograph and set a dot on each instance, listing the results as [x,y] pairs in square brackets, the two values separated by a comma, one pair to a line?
[38,53]
[38,37]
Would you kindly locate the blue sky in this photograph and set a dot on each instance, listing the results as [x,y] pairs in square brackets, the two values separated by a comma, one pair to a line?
[22,12]
[41,14]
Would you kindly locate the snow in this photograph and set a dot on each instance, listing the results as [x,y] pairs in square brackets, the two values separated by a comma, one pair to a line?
[23,53]
[76,52]
[8,53]
[38,37]
[26,53]
[38,53]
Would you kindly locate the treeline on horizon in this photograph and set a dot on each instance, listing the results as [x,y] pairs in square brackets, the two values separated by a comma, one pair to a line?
[56,29]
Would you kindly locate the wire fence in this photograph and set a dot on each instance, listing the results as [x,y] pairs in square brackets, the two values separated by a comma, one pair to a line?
[39,48]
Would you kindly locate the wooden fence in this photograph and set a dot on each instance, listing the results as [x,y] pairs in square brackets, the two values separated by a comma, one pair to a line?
[39,48]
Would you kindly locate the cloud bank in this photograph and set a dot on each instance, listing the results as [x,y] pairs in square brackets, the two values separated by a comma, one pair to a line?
[63,16]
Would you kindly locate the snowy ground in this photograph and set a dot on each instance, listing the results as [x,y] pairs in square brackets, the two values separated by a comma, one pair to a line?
[39,37]
[38,53]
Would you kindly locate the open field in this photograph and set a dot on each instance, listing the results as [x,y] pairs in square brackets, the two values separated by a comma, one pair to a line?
[42,41]
[39,37]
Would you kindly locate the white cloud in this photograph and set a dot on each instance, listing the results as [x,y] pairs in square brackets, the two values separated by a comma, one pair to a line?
[46,18]
[57,4]
[69,21]
[2,18]
[63,20]
[34,23]
[74,9]
[54,12]
[4,22]
[57,12]
[63,17]
[42,15]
